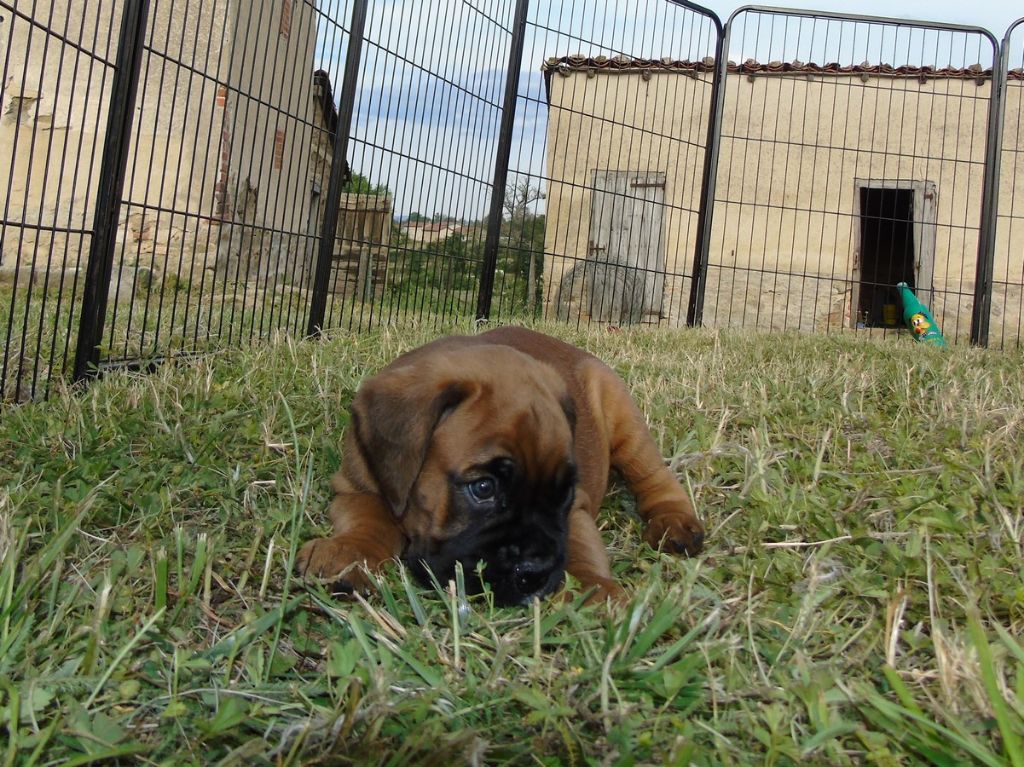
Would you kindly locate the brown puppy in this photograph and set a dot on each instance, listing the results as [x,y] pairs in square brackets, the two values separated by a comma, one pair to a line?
[495,449]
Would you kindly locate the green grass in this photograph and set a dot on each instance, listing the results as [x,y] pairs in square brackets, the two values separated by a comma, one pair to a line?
[860,599]
[167,317]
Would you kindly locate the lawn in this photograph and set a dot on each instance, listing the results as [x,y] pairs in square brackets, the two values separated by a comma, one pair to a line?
[859,600]
[170,316]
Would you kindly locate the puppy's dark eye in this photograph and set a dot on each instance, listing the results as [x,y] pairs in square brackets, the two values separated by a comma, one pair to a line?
[483,489]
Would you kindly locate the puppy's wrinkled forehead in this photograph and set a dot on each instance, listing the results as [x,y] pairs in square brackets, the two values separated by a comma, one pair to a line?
[520,407]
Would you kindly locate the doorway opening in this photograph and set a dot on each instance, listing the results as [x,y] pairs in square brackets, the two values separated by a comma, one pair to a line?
[888,254]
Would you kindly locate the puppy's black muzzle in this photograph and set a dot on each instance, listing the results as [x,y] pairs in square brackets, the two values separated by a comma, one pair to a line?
[533,575]
[531,569]
[523,553]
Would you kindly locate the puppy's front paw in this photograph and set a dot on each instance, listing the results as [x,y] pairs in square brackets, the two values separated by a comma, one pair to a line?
[606,590]
[676,531]
[599,591]
[337,562]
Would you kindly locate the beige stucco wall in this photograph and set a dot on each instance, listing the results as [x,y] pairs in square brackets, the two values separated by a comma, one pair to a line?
[1008,272]
[271,99]
[793,147]
[50,147]
[172,163]
[623,122]
[53,107]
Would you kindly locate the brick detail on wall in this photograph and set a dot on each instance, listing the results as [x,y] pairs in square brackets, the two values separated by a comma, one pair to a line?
[286,18]
[279,137]
[221,194]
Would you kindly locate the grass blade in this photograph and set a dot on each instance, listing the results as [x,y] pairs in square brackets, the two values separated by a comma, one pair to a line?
[1011,740]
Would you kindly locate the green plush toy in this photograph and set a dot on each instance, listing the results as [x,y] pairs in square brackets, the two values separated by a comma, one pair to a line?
[919,320]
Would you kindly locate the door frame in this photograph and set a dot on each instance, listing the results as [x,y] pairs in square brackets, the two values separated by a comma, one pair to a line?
[925,212]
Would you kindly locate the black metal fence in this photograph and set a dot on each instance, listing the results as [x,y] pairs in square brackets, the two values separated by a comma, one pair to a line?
[1005,328]
[186,175]
[873,174]
[51,180]
[610,165]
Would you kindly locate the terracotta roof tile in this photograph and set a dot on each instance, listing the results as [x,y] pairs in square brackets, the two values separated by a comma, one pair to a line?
[580,63]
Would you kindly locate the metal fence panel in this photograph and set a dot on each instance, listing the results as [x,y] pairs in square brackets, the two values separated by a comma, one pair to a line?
[603,203]
[1005,330]
[114,163]
[57,65]
[853,157]
[618,161]
[428,110]
[228,165]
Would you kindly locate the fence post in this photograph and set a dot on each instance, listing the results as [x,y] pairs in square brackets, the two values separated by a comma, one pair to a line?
[502,155]
[95,292]
[339,167]
[705,216]
[981,313]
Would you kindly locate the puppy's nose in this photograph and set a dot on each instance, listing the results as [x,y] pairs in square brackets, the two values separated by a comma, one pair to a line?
[531,575]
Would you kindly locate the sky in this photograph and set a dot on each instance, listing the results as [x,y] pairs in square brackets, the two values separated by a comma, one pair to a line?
[428,106]
[994,15]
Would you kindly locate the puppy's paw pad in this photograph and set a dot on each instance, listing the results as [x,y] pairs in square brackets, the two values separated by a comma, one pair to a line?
[675,533]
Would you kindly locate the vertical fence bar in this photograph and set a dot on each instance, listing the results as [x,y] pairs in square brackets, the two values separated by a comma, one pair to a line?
[128,65]
[1007,310]
[502,156]
[981,314]
[339,167]
[705,216]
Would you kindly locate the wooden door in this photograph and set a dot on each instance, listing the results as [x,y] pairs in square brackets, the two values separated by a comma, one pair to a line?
[925,220]
[626,247]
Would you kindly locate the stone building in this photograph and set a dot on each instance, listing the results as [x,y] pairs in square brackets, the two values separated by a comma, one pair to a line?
[833,183]
[230,149]
[429,232]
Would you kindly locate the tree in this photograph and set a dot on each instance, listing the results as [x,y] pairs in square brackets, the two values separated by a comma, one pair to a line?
[523,230]
[359,184]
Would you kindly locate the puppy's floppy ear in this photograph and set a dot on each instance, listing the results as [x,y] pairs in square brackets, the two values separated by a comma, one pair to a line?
[569,408]
[394,416]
